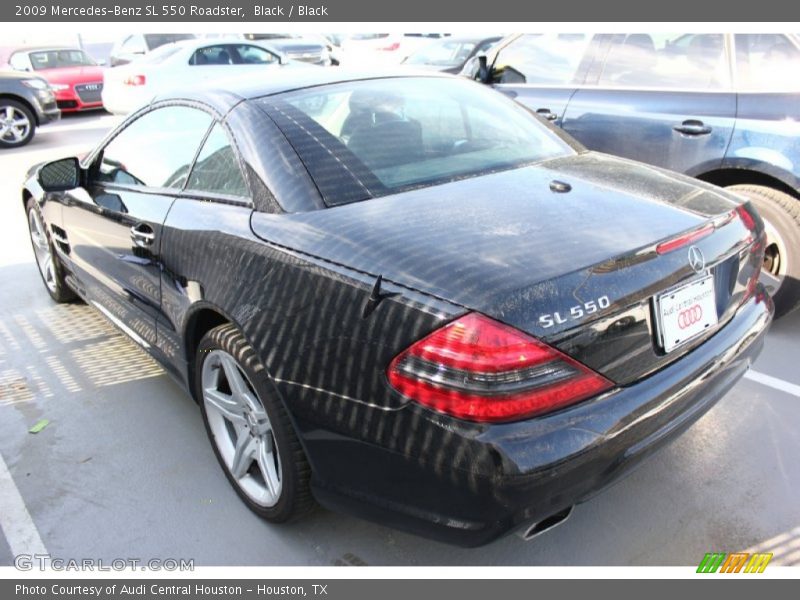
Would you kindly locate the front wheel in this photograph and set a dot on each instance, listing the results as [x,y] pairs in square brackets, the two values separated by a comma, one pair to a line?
[49,266]
[781,215]
[249,428]
[17,124]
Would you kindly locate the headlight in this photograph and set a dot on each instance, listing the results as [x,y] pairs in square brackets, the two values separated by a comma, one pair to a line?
[59,86]
[37,84]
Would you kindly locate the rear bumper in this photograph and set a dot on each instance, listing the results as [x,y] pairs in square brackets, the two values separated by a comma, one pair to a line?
[468,485]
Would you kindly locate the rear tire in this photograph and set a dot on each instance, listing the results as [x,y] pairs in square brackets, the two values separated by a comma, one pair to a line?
[17,124]
[249,428]
[50,267]
[781,215]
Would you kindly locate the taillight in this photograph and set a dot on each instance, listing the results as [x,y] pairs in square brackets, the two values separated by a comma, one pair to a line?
[746,217]
[135,80]
[480,370]
[391,47]
[750,224]
[685,239]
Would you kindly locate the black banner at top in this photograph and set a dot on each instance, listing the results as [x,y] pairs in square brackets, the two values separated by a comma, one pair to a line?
[360,11]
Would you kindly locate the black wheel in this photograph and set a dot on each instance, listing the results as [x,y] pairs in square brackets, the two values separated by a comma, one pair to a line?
[17,124]
[251,433]
[781,215]
[50,267]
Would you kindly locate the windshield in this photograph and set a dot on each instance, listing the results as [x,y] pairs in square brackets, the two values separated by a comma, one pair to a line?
[370,138]
[57,59]
[445,53]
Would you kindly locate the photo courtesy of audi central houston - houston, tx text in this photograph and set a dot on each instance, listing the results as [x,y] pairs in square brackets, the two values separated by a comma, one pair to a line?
[476,295]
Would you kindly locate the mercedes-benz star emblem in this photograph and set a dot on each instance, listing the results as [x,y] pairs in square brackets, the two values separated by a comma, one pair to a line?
[696,259]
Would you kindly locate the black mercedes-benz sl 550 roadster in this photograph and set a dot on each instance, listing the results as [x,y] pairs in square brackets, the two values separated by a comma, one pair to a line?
[405,296]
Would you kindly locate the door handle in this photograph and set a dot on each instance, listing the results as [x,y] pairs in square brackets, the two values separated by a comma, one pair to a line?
[546,113]
[693,127]
[142,235]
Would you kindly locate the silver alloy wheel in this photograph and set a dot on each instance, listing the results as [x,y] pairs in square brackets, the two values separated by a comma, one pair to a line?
[775,255]
[41,249]
[241,429]
[14,124]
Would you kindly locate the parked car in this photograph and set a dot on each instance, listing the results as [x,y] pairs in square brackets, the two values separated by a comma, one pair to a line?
[382,49]
[312,50]
[26,101]
[75,77]
[136,45]
[449,54]
[719,107]
[184,64]
[404,296]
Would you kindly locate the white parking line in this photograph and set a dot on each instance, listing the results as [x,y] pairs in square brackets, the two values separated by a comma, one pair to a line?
[773,382]
[15,520]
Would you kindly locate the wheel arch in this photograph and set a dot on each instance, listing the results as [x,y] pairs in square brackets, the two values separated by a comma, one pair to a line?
[24,101]
[731,176]
[199,322]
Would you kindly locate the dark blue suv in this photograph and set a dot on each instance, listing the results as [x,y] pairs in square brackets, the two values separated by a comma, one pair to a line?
[724,108]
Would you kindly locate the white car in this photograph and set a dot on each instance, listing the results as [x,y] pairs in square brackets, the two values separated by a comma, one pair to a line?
[382,49]
[185,64]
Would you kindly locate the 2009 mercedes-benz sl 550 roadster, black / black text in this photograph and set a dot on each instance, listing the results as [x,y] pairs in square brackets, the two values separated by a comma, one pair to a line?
[405,296]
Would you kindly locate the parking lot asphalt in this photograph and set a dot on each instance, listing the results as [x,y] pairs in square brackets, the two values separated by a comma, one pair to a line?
[124,469]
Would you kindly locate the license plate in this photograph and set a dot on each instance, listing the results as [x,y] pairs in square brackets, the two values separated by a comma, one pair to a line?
[684,312]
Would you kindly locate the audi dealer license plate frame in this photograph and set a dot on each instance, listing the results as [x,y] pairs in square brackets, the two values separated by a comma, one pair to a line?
[686,311]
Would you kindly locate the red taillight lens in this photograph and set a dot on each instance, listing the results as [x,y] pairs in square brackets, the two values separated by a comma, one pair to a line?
[480,370]
[390,47]
[746,217]
[135,80]
[685,239]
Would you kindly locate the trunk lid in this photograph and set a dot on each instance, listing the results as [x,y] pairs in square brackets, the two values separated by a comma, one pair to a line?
[507,246]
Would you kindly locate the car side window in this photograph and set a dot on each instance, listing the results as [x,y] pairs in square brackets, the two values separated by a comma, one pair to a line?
[232,54]
[763,61]
[216,169]
[156,150]
[695,61]
[542,59]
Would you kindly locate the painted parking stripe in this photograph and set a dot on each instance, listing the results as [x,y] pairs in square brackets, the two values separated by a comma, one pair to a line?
[773,382]
[15,520]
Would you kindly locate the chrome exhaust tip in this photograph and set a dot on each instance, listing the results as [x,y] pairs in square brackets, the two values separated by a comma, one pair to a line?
[536,529]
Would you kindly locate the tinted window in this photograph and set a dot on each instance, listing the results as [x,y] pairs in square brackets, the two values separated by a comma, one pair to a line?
[154,40]
[764,61]
[156,150]
[232,54]
[691,61]
[368,138]
[216,169]
[547,59]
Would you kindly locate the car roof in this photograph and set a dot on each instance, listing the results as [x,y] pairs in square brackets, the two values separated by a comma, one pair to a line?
[223,95]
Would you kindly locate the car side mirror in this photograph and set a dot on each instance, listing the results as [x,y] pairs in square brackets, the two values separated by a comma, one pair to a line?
[484,73]
[60,175]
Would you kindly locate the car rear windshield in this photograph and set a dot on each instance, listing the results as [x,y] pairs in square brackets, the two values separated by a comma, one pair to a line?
[365,139]
[154,40]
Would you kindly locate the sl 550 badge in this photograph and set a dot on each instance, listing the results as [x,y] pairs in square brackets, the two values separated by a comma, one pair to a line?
[576,312]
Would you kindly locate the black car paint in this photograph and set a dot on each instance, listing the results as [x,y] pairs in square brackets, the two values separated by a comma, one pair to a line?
[296,284]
